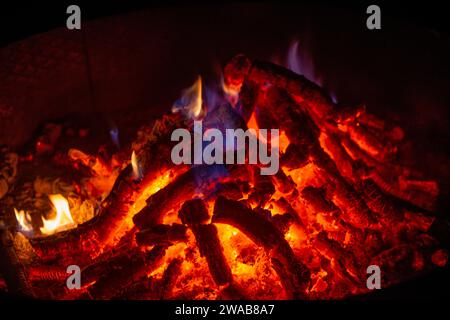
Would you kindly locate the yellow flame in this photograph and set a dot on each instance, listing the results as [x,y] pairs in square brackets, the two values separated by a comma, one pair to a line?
[135,165]
[192,99]
[63,219]
[24,220]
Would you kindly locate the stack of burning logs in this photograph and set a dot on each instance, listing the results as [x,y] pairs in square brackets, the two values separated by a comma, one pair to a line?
[339,203]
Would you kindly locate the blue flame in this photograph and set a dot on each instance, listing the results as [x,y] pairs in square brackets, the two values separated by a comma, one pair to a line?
[114,134]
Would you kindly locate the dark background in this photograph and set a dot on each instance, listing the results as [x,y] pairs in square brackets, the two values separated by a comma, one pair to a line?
[24,18]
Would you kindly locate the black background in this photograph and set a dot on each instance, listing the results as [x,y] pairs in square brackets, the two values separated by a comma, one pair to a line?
[19,19]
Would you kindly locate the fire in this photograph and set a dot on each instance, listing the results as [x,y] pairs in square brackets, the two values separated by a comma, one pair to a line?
[303,233]
[283,139]
[63,219]
[191,100]
[24,220]
[137,174]
[231,92]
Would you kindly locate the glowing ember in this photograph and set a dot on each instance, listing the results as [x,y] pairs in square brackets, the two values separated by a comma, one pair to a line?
[63,219]
[309,231]
[283,140]
[24,220]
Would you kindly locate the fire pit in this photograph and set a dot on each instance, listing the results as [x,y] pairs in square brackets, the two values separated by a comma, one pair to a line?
[132,223]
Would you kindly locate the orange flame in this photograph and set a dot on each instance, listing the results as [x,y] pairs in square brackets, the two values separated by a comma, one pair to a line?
[24,220]
[63,219]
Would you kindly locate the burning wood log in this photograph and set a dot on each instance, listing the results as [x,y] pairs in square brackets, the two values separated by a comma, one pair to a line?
[336,151]
[103,230]
[378,202]
[194,214]
[283,183]
[343,217]
[264,234]
[144,288]
[169,278]
[8,169]
[294,157]
[162,234]
[174,195]
[125,271]
[260,230]
[232,292]
[316,199]
[211,248]
[255,76]
[198,180]
[286,207]
[46,273]
[241,70]
[263,189]
[283,221]
[11,267]
[333,250]
[231,190]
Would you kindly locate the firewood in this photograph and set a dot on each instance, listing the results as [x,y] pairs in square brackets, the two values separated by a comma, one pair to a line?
[125,271]
[241,69]
[8,169]
[47,273]
[198,180]
[162,234]
[344,162]
[232,292]
[173,195]
[396,262]
[283,183]
[377,201]
[316,198]
[332,250]
[287,209]
[420,199]
[102,231]
[241,72]
[378,147]
[12,268]
[260,230]
[142,289]
[263,189]
[289,117]
[193,212]
[286,281]
[355,210]
[294,157]
[232,190]
[210,247]
[170,277]
[265,234]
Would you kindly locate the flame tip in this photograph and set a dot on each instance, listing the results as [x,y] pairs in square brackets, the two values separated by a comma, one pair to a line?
[63,219]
